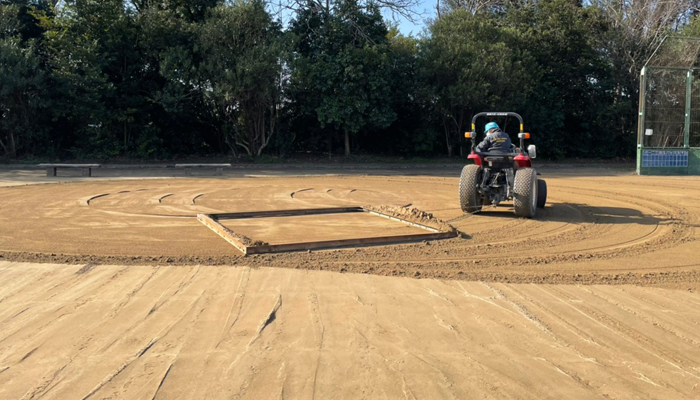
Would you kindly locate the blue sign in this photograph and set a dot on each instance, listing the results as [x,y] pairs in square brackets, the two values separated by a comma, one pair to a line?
[664,158]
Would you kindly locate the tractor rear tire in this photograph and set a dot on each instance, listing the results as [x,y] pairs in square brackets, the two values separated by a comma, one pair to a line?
[541,193]
[525,193]
[469,197]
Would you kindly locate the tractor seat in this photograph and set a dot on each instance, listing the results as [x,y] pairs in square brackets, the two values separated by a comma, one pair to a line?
[497,159]
[497,154]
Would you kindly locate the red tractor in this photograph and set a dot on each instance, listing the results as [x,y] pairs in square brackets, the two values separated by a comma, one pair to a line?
[495,176]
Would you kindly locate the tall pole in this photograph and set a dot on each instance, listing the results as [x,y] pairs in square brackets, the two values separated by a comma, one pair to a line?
[688,98]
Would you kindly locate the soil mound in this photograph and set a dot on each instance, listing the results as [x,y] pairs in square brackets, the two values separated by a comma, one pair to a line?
[414,215]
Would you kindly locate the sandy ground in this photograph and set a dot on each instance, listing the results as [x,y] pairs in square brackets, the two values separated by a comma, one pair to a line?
[600,226]
[110,288]
[282,230]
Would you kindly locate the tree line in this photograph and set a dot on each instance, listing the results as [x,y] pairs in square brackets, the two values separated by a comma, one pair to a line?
[149,79]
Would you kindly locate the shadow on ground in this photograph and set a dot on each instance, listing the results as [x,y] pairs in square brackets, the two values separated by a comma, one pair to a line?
[576,213]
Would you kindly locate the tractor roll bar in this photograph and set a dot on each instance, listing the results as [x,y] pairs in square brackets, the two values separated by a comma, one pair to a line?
[497,114]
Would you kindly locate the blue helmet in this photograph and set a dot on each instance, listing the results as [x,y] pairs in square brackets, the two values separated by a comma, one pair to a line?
[489,126]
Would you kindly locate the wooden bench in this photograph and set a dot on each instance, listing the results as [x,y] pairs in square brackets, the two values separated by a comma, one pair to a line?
[188,167]
[86,168]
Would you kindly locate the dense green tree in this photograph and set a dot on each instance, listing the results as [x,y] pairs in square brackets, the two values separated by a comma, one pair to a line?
[413,130]
[180,120]
[473,65]
[98,72]
[242,72]
[570,92]
[124,79]
[342,67]
[186,10]
[21,81]
[153,78]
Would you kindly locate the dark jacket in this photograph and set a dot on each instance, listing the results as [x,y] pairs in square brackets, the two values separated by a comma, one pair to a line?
[497,141]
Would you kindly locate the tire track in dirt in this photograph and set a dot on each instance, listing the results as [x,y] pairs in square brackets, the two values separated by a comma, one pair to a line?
[81,348]
[356,335]
[10,283]
[159,198]
[155,339]
[596,221]
[557,322]
[145,349]
[132,293]
[57,309]
[45,386]
[85,201]
[520,309]
[181,340]
[630,335]
[666,304]
[167,296]
[299,191]
[319,336]
[236,306]
[648,319]
[370,352]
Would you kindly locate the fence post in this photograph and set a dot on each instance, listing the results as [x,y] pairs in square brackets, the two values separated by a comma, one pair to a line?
[688,93]
[642,103]
[640,118]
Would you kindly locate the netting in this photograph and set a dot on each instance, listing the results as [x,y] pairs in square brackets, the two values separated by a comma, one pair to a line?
[665,100]
[694,139]
[670,109]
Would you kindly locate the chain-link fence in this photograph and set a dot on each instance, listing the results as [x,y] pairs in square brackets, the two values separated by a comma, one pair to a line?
[694,131]
[665,103]
[670,96]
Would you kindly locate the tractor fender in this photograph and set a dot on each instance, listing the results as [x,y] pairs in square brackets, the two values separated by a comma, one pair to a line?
[522,161]
[476,158]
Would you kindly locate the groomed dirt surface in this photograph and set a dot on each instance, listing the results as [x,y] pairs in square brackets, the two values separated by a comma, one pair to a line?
[199,332]
[600,226]
[282,230]
[110,288]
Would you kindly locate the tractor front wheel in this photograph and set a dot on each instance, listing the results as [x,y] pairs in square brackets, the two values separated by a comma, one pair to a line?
[469,198]
[525,192]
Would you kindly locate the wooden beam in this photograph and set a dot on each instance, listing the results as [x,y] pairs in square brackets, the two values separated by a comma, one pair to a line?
[417,225]
[212,222]
[222,231]
[288,213]
[330,244]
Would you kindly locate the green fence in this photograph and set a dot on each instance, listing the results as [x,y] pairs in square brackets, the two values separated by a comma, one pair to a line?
[669,110]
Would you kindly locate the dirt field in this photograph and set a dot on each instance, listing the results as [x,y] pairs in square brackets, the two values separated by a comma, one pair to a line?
[110,288]
[600,226]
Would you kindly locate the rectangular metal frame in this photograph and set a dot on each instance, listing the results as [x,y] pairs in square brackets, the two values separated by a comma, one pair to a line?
[212,222]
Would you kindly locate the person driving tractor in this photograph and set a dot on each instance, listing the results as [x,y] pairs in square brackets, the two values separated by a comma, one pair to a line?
[495,140]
